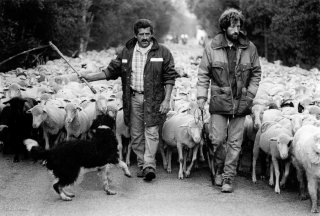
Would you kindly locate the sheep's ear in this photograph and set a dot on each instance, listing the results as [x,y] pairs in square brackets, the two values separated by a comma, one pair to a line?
[274,139]
[317,138]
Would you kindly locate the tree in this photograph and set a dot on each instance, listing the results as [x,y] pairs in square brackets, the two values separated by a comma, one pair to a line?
[295,33]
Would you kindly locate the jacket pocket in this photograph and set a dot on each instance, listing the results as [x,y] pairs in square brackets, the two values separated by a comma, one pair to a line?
[245,104]
[245,71]
[220,101]
[217,72]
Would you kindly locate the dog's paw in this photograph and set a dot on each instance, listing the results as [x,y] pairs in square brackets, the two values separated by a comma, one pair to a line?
[69,194]
[64,197]
[110,192]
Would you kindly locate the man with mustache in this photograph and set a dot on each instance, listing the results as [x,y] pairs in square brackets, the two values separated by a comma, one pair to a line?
[231,63]
[147,73]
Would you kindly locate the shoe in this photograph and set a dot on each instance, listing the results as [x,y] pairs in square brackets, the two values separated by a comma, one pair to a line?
[149,174]
[227,186]
[140,173]
[218,180]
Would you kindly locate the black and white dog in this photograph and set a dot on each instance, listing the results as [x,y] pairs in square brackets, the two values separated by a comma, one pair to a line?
[67,158]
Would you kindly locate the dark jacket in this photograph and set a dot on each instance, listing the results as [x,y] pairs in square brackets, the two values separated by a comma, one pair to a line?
[214,67]
[159,71]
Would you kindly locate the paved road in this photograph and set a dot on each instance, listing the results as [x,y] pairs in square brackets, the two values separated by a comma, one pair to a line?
[26,189]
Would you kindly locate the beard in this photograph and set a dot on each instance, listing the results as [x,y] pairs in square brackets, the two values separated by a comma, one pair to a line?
[233,37]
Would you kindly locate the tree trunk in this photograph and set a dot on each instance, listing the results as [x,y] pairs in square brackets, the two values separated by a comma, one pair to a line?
[265,33]
[87,19]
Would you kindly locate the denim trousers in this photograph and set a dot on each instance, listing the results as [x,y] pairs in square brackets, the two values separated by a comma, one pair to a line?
[144,139]
[227,135]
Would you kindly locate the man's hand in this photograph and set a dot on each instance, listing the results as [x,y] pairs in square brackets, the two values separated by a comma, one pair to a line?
[165,106]
[201,102]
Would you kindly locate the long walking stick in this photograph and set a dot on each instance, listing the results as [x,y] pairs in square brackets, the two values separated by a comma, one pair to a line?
[80,77]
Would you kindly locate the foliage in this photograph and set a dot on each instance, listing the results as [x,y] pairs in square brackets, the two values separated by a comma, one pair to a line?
[288,30]
[295,33]
[72,25]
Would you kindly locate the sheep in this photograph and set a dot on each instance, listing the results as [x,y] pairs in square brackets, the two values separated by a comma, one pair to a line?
[18,124]
[122,131]
[306,160]
[51,119]
[275,140]
[179,131]
[77,121]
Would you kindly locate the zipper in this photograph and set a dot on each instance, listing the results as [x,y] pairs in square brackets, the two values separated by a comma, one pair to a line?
[228,74]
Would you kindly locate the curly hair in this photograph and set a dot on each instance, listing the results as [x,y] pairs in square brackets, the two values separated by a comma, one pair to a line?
[142,23]
[229,17]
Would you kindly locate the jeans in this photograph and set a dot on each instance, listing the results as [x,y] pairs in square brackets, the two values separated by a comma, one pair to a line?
[227,136]
[144,139]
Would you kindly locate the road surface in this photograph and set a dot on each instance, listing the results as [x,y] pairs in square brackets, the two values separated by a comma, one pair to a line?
[26,189]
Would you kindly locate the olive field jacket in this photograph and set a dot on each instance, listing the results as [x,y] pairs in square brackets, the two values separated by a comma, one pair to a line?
[214,68]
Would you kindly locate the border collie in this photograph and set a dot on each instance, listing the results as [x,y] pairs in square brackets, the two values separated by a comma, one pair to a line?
[67,158]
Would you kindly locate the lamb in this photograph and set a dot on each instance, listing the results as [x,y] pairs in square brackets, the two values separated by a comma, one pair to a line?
[306,159]
[67,158]
[178,131]
[267,134]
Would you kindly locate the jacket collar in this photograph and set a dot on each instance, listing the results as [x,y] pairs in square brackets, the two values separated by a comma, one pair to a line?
[133,41]
[219,41]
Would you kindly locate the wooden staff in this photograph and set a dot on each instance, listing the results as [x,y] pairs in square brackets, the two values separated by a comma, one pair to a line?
[80,77]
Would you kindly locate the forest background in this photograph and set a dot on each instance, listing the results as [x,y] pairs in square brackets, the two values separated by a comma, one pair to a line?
[286,30]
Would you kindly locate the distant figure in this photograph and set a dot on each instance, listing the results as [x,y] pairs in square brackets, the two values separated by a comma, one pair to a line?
[231,63]
[201,42]
[184,39]
[148,74]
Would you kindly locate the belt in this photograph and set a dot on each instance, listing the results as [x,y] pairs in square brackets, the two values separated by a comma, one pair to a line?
[135,91]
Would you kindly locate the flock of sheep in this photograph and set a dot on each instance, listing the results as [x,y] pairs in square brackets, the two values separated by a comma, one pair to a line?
[285,119]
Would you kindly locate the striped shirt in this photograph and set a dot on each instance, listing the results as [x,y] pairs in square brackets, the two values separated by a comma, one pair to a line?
[138,62]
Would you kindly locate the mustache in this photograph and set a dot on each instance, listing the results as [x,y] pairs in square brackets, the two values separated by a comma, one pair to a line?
[144,40]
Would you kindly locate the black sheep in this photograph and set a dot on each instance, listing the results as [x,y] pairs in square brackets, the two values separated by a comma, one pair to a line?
[66,158]
[18,125]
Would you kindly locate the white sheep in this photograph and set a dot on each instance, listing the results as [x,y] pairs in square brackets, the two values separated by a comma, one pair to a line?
[274,139]
[51,119]
[306,159]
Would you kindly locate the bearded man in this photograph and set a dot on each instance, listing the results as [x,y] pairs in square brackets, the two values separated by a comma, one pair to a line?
[231,63]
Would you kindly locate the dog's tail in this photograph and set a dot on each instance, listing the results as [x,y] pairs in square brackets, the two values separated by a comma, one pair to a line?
[36,151]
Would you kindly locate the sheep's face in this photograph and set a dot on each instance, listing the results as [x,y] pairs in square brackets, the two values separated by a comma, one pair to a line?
[296,121]
[39,115]
[71,112]
[195,131]
[283,145]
